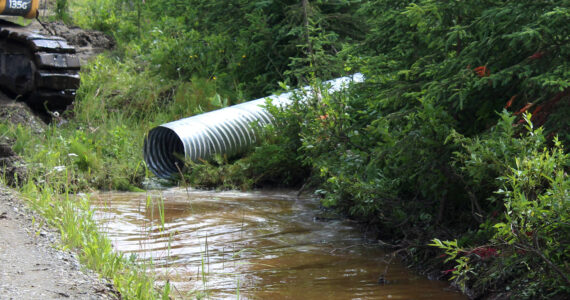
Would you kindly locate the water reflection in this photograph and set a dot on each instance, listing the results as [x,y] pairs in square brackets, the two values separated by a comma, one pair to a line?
[258,245]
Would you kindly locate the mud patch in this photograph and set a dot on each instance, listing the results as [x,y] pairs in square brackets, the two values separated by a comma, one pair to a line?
[87,43]
[18,113]
[12,167]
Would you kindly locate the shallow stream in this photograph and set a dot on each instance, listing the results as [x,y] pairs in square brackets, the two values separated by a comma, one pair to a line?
[255,245]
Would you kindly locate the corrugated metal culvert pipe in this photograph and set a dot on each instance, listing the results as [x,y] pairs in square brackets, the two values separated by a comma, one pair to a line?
[224,131]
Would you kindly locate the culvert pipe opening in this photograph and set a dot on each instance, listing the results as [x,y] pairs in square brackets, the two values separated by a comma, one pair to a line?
[163,152]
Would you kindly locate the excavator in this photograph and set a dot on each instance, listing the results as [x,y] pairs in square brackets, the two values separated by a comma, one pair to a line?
[42,70]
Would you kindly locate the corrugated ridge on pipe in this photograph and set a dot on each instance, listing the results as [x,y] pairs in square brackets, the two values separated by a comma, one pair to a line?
[224,131]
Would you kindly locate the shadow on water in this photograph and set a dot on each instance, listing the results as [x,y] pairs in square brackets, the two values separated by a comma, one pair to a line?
[258,245]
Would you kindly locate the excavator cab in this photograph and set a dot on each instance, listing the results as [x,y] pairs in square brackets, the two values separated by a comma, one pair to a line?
[39,69]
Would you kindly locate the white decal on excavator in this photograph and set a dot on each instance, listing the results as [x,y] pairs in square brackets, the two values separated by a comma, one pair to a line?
[19,4]
[17,7]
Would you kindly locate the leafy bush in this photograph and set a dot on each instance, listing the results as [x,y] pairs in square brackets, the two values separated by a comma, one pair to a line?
[535,229]
[532,188]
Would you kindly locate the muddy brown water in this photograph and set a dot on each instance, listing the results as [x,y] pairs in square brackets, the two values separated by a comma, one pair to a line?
[255,245]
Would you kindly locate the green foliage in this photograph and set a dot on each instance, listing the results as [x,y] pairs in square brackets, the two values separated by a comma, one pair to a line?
[418,146]
[536,195]
[217,173]
[125,89]
[470,58]
[532,185]
[196,97]
[103,15]
[462,270]
[62,10]
[246,46]
[486,157]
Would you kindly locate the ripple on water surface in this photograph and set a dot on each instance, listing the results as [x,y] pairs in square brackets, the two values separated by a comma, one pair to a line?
[262,245]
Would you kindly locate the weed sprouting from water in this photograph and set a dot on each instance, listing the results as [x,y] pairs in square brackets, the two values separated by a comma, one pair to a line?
[166,291]
[161,214]
[237,287]
[186,185]
[207,253]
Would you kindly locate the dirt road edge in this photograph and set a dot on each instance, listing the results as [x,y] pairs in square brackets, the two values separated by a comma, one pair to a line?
[33,266]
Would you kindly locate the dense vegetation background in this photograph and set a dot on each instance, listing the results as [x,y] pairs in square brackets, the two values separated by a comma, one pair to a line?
[456,139]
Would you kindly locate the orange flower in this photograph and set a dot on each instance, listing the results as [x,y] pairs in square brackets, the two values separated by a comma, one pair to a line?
[323,117]
[536,55]
[537,109]
[449,271]
[510,102]
[525,108]
[482,71]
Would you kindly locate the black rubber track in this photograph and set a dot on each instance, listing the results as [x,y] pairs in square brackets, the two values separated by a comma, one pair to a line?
[40,70]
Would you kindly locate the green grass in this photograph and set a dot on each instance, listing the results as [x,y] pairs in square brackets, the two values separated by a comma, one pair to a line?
[73,217]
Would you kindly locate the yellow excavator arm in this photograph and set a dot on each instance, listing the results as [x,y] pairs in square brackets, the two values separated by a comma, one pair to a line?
[24,8]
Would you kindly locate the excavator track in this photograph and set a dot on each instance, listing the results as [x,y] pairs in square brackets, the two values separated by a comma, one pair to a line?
[41,70]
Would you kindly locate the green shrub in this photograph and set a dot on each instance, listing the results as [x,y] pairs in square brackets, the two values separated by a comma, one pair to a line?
[532,187]
[535,229]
